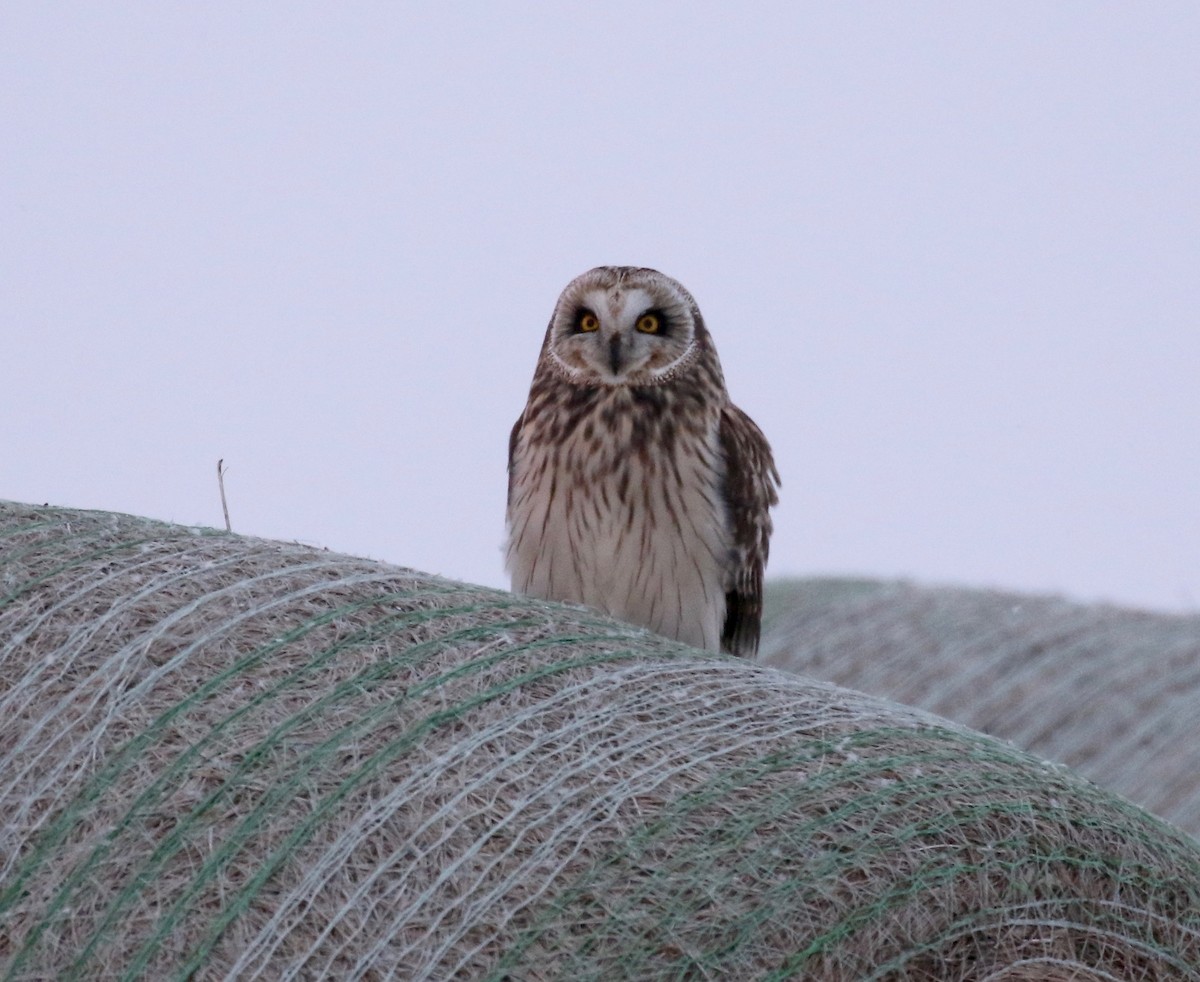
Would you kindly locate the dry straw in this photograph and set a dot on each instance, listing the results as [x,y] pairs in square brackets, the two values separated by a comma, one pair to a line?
[1114,693]
[225,758]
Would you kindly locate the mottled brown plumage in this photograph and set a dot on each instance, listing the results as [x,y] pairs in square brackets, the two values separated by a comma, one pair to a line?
[635,485]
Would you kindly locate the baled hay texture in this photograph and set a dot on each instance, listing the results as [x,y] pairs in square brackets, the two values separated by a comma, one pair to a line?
[1114,693]
[230,758]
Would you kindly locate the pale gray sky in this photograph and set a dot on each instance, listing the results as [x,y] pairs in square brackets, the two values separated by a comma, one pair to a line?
[950,255]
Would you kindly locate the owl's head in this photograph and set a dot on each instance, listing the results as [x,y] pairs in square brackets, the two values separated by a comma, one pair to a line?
[624,325]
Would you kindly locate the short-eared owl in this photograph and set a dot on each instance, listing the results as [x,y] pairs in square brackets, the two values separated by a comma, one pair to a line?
[634,484]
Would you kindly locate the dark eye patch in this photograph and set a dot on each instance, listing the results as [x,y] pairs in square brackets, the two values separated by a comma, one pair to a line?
[585,321]
[653,321]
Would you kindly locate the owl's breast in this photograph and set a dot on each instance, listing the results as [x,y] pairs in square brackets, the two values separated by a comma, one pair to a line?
[625,515]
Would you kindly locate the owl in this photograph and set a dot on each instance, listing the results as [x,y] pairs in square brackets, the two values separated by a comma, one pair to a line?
[634,485]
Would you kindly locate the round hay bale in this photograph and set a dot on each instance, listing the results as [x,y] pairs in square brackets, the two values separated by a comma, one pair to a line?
[1114,693]
[231,759]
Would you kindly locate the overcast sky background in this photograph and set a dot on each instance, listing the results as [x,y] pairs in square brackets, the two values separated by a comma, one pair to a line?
[949,254]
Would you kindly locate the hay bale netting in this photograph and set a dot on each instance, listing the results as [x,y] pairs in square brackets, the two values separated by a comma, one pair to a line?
[230,758]
[1114,693]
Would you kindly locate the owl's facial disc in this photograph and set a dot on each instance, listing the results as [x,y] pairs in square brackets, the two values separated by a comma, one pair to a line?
[621,335]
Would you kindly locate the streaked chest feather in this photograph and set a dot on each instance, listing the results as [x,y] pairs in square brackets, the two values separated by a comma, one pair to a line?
[628,519]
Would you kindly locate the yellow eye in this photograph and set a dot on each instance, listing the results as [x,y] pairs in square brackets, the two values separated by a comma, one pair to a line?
[588,321]
[648,324]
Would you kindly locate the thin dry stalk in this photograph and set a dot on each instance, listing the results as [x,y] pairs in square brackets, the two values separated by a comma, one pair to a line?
[221,484]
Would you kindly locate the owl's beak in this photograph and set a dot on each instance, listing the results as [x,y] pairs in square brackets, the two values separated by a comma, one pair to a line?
[614,353]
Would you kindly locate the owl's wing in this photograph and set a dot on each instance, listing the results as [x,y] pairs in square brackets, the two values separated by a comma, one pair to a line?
[750,483]
[512,449]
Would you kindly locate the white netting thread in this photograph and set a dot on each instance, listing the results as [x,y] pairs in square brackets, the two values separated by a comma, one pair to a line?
[227,758]
[1114,693]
